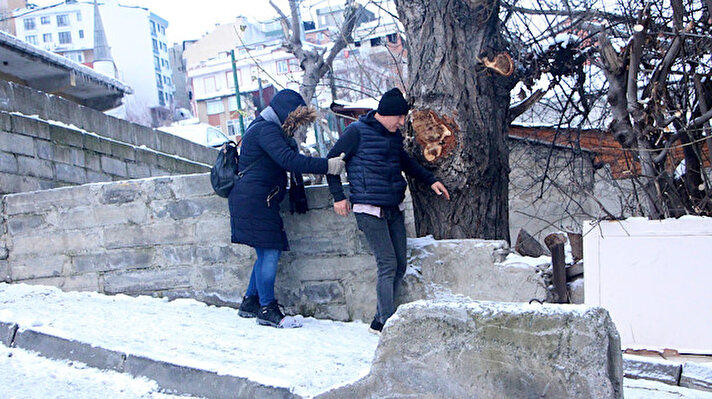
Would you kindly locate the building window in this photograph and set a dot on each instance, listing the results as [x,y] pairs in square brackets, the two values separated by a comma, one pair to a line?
[79,15]
[357,44]
[29,23]
[233,127]
[32,39]
[159,80]
[232,103]
[209,84]
[153,28]
[155,46]
[376,41]
[162,29]
[294,65]
[76,56]
[161,100]
[392,38]
[47,37]
[320,36]
[81,34]
[282,66]
[63,20]
[215,107]
[65,37]
[230,78]
[44,20]
[156,63]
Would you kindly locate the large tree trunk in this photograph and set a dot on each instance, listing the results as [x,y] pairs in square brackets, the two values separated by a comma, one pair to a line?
[459,118]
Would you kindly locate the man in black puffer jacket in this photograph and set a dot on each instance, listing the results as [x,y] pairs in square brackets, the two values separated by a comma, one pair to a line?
[375,159]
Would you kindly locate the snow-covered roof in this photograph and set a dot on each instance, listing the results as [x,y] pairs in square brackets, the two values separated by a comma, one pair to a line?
[50,72]
[364,103]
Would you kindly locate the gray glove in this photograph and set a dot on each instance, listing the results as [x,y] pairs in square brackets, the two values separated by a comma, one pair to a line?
[336,165]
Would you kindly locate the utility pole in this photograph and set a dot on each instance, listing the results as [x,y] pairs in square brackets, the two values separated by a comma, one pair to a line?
[237,92]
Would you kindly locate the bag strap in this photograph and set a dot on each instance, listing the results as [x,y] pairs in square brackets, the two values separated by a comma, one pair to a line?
[240,174]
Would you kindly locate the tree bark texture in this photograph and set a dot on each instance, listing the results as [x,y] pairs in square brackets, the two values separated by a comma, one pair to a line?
[459,90]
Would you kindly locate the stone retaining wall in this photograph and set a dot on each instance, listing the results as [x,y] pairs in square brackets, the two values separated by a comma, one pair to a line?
[36,155]
[169,236]
[47,141]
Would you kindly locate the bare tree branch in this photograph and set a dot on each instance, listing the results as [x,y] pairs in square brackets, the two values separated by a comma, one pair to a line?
[636,52]
[351,15]
[524,106]
[700,120]
[704,108]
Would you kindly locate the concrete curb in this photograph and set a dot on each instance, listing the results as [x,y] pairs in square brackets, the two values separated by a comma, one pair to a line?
[696,376]
[7,333]
[170,377]
[67,349]
[201,382]
[650,369]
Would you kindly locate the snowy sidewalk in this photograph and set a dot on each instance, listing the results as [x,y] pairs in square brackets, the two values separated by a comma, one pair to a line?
[149,336]
[186,347]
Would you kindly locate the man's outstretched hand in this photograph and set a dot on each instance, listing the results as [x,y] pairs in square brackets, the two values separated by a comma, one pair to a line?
[439,189]
[342,207]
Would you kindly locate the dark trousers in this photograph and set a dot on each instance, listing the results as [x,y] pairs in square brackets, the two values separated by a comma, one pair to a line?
[387,239]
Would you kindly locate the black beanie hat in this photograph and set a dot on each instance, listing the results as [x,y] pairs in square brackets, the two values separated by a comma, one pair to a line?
[393,103]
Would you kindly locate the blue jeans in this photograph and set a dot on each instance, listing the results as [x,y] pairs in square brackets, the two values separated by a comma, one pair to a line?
[387,239]
[264,272]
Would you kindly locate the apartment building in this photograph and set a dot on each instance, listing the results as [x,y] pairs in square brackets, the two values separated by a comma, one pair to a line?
[262,67]
[136,40]
[260,71]
[6,9]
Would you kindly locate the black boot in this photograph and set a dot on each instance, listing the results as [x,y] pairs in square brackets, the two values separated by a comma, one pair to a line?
[249,307]
[270,315]
[376,327]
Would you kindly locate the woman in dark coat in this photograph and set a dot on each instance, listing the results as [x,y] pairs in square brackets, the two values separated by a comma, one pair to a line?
[255,198]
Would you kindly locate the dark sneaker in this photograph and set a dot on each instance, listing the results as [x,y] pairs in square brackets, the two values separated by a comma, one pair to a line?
[271,315]
[376,327]
[249,307]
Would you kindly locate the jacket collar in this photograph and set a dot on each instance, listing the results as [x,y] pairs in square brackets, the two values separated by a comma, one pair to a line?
[269,115]
[372,122]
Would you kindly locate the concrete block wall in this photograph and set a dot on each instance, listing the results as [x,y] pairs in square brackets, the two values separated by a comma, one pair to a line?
[567,191]
[36,155]
[47,141]
[170,236]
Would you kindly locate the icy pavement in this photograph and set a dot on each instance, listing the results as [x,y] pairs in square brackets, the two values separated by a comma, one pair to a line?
[307,361]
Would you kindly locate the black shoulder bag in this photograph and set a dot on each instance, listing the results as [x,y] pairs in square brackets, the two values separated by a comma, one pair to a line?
[225,170]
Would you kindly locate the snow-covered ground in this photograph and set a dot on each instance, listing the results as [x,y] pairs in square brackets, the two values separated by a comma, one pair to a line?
[310,360]
[307,360]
